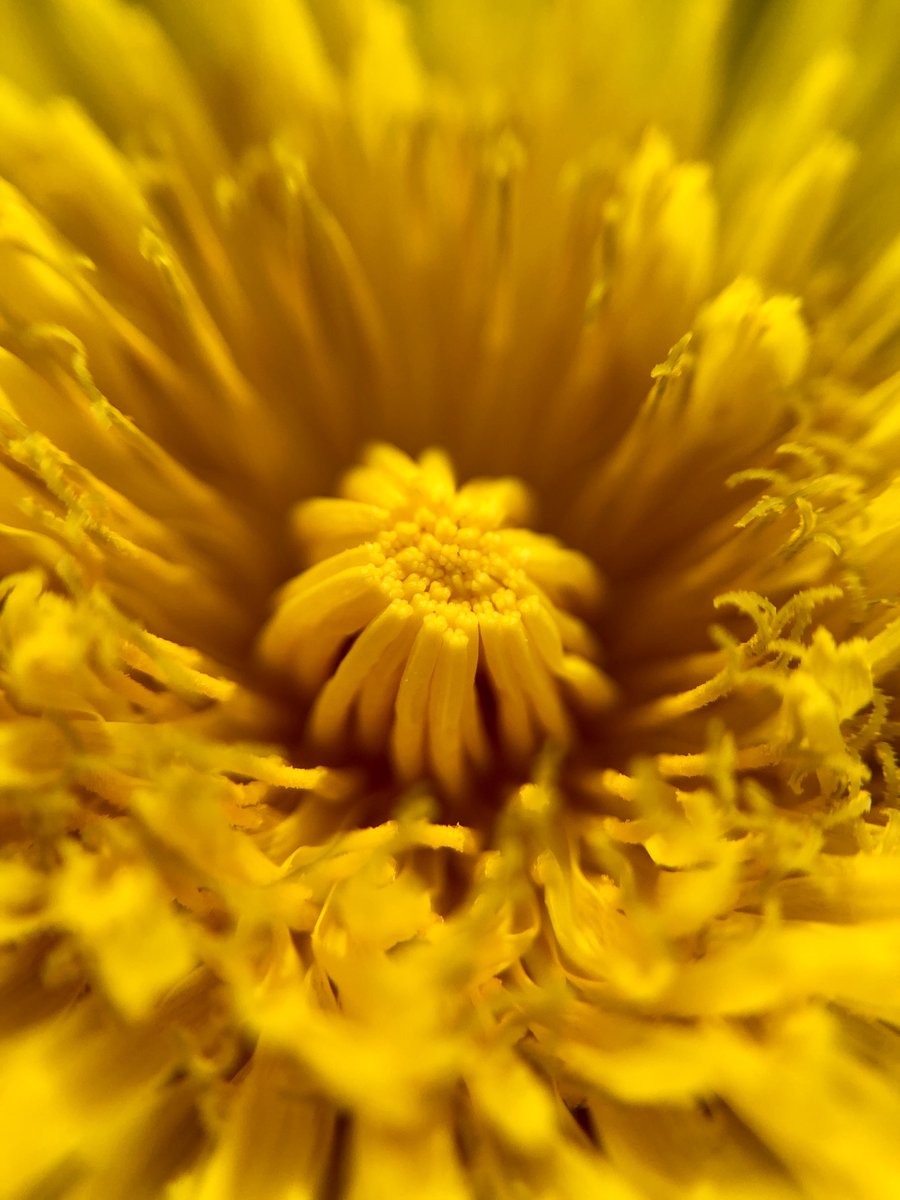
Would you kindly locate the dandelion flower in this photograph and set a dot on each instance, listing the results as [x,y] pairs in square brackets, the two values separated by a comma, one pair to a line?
[449,600]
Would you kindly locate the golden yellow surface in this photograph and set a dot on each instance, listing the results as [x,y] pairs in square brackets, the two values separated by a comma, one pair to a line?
[450,600]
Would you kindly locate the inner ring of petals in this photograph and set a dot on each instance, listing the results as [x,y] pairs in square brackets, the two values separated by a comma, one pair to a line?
[438,591]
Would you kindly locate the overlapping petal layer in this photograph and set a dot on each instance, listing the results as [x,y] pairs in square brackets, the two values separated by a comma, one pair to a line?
[546,924]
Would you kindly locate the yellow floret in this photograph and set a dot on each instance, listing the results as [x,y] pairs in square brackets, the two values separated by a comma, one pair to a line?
[440,594]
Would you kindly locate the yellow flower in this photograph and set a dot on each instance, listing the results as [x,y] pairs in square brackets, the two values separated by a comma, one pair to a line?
[450,603]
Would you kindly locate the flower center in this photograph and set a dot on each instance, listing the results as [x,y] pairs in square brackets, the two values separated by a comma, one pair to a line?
[456,566]
[432,625]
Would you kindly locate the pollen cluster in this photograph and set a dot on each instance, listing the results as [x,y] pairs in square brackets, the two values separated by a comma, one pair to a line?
[440,591]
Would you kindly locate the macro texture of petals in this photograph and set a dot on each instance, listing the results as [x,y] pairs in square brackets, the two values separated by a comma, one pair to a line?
[449,600]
